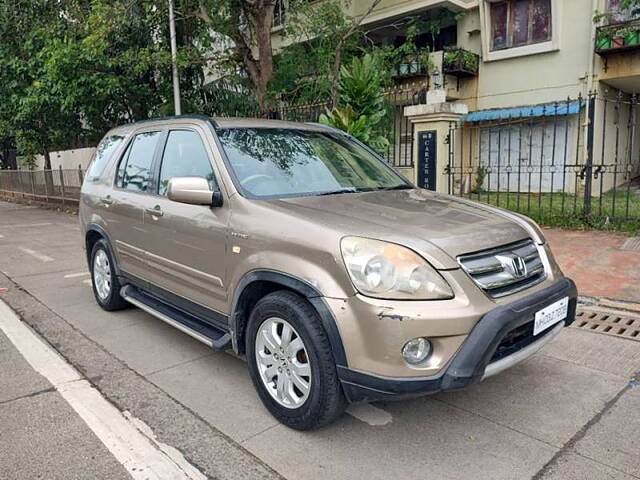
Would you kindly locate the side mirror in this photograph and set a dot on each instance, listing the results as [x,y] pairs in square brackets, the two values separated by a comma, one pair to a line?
[194,191]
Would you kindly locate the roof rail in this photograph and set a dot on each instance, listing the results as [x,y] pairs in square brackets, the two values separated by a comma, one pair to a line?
[322,125]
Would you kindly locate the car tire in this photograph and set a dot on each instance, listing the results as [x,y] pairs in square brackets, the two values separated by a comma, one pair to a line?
[106,285]
[308,351]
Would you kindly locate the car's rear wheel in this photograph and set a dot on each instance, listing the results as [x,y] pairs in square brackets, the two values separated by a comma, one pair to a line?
[291,363]
[106,286]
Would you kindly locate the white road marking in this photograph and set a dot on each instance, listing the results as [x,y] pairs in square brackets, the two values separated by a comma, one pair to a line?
[74,275]
[130,441]
[29,225]
[34,254]
[367,413]
[1,236]
[87,281]
[172,452]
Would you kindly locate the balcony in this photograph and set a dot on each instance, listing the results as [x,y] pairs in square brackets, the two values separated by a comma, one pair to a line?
[410,68]
[618,38]
[460,63]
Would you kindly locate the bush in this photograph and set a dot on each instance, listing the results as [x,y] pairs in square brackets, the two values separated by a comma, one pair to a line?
[361,105]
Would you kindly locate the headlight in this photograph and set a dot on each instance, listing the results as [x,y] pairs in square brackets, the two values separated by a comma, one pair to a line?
[387,270]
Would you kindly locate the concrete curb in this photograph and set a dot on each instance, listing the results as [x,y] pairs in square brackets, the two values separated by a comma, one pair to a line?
[610,303]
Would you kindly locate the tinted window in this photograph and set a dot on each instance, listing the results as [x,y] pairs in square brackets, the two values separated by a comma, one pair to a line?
[184,156]
[286,162]
[135,167]
[103,154]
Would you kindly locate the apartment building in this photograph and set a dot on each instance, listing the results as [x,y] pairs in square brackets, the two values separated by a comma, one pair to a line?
[527,95]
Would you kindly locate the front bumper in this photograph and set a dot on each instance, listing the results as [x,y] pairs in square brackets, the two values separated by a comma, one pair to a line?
[473,360]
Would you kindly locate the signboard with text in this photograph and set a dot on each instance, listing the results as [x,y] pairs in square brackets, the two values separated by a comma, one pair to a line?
[427,155]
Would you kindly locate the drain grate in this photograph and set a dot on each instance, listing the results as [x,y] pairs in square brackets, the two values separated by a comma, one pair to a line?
[632,244]
[608,322]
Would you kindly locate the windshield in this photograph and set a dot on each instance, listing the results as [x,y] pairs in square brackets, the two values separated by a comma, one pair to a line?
[271,162]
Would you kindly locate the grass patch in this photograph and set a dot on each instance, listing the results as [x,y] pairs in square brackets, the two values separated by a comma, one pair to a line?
[619,211]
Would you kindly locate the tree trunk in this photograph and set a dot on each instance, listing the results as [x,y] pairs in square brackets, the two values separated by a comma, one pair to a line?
[336,74]
[257,65]
[48,174]
[47,159]
[262,20]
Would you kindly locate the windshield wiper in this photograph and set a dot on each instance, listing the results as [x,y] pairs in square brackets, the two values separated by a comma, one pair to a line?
[404,186]
[338,192]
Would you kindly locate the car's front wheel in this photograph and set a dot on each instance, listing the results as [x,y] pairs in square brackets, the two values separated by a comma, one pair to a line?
[106,286]
[291,363]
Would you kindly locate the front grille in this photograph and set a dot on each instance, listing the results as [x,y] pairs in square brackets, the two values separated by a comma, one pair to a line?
[517,339]
[505,270]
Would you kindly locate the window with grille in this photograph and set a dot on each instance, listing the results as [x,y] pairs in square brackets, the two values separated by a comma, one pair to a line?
[515,23]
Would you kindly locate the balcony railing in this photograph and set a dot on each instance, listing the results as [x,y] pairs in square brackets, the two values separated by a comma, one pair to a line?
[618,38]
[460,63]
[410,68]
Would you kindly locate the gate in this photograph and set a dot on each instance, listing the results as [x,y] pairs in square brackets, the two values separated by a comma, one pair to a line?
[569,159]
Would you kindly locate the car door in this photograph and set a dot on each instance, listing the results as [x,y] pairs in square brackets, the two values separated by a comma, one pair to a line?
[187,243]
[125,204]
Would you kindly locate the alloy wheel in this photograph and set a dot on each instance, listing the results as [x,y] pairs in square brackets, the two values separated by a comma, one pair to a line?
[283,362]
[102,274]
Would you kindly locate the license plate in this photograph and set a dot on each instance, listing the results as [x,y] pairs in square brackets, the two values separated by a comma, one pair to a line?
[550,315]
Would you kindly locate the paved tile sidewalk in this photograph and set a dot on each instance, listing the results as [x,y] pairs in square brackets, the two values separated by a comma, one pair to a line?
[603,264]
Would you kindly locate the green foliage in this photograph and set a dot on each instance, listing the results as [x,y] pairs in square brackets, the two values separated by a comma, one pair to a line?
[303,68]
[28,161]
[479,180]
[632,6]
[71,70]
[32,115]
[361,106]
[460,58]
[557,209]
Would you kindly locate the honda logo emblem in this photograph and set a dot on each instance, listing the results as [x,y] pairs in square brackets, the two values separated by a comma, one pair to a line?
[514,264]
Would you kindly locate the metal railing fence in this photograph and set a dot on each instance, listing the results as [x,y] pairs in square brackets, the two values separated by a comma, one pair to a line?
[60,185]
[579,158]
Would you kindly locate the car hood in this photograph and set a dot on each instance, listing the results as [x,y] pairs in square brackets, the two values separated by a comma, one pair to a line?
[413,217]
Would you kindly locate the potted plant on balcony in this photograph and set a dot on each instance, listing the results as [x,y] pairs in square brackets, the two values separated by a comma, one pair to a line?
[603,40]
[632,35]
[617,38]
[426,62]
[460,62]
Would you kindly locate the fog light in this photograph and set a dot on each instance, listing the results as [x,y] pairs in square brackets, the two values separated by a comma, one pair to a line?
[416,351]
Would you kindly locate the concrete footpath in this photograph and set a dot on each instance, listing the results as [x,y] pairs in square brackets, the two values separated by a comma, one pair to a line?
[603,264]
[41,436]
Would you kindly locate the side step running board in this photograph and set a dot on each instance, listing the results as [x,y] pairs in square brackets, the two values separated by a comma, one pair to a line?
[202,331]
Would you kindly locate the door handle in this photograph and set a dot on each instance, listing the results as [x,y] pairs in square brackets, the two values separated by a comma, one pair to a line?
[156,212]
[107,200]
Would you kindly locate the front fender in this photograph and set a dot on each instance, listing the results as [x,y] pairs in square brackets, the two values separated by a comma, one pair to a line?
[298,285]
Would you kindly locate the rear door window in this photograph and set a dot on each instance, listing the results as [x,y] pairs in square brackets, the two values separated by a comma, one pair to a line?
[103,154]
[134,171]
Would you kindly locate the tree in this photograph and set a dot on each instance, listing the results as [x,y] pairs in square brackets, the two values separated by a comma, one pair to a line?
[248,24]
[31,114]
[361,105]
[353,28]
[71,70]
[304,68]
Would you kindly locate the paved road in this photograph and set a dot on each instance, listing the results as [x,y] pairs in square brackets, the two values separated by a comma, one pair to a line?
[37,423]
[570,412]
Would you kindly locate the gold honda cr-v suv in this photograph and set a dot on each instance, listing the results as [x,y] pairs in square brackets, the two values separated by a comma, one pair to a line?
[297,246]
